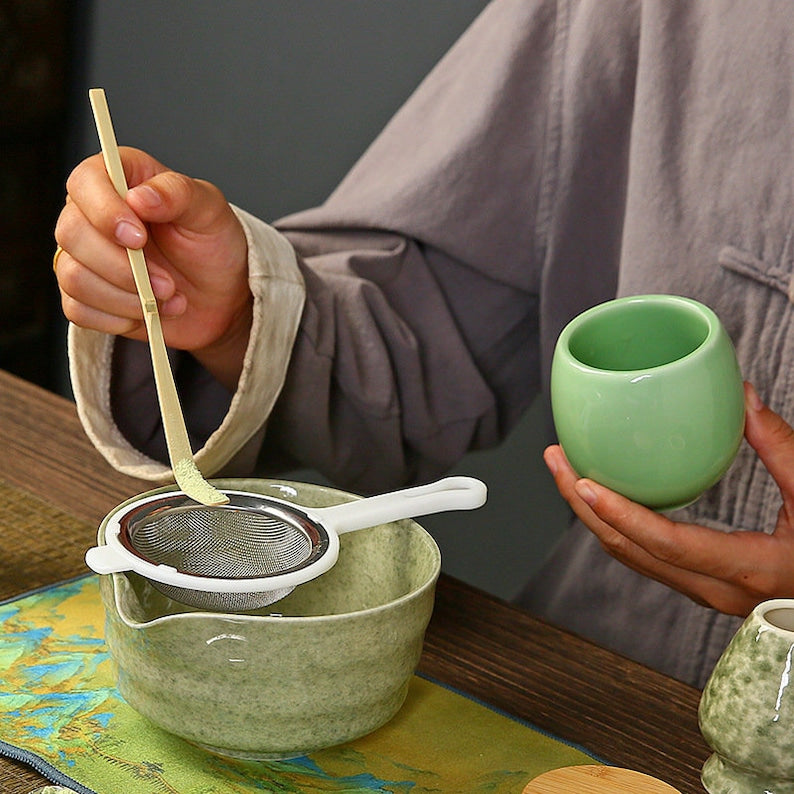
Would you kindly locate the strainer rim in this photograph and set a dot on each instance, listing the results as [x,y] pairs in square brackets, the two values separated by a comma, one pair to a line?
[251,485]
[109,535]
[429,583]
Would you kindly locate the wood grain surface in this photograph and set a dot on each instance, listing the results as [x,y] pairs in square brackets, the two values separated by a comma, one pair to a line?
[626,714]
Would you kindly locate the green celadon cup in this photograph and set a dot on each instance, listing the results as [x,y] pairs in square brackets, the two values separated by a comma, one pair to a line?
[647,398]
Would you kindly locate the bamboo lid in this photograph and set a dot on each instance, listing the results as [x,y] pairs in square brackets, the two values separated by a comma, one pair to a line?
[596,779]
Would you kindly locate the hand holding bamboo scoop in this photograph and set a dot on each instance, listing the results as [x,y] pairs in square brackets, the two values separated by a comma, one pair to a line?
[186,473]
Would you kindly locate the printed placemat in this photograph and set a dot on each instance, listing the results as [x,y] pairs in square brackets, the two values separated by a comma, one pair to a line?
[61,713]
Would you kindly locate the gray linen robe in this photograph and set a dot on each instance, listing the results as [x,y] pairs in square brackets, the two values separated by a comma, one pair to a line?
[560,154]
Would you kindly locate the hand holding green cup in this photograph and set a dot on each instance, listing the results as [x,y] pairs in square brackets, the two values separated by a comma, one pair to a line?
[647,398]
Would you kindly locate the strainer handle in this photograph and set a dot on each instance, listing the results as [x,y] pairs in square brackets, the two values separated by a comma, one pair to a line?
[105,559]
[451,493]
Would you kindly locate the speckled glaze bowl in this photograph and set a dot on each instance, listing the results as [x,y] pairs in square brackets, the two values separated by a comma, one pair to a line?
[747,707]
[329,663]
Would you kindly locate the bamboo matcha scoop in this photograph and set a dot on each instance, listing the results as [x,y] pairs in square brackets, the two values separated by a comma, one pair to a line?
[186,473]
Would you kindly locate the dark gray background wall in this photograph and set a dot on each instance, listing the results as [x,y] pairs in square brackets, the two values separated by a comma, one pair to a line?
[273,100]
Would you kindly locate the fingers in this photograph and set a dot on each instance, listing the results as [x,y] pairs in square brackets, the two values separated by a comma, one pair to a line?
[88,317]
[169,197]
[95,272]
[156,195]
[622,526]
[565,478]
[90,188]
[686,546]
[194,244]
[617,521]
[773,439]
[96,225]
[728,571]
[90,300]
[731,571]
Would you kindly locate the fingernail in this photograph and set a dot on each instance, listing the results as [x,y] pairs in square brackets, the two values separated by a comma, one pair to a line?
[753,400]
[586,492]
[129,235]
[147,195]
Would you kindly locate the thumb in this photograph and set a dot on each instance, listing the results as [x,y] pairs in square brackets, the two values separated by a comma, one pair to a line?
[169,197]
[773,439]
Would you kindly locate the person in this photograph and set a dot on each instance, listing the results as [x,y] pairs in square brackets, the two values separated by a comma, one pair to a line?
[560,154]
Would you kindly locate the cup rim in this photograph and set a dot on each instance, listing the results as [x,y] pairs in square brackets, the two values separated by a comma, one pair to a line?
[765,607]
[562,347]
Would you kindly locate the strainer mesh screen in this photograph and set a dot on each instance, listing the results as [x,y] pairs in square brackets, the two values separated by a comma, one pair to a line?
[220,542]
[222,602]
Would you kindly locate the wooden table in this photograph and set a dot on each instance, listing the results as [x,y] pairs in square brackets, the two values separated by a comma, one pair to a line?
[626,714]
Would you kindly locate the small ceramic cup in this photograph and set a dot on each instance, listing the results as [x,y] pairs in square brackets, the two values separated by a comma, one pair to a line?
[647,398]
[747,707]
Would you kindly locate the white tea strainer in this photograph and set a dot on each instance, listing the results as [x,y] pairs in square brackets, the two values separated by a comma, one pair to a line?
[255,549]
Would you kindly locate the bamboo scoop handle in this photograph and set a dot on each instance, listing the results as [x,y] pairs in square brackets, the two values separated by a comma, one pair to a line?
[186,473]
[596,779]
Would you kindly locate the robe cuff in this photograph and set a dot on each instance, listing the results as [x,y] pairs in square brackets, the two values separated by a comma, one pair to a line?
[279,294]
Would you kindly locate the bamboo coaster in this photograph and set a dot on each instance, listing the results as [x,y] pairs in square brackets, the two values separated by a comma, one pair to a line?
[596,780]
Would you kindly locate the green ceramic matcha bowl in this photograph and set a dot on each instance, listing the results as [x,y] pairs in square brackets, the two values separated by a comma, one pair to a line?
[647,398]
[329,663]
